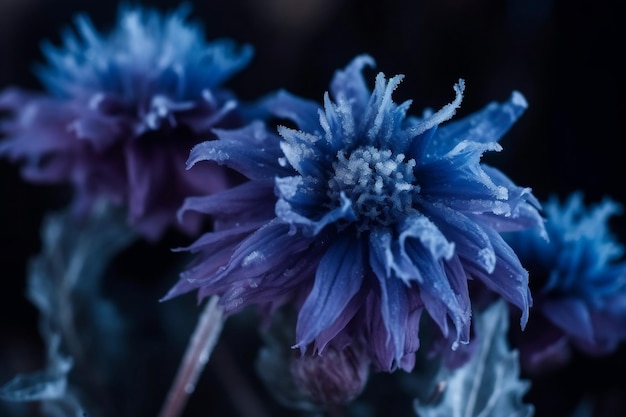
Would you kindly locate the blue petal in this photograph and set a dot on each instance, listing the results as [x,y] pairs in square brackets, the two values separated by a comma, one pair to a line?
[509,278]
[387,257]
[419,144]
[459,181]
[412,261]
[269,263]
[262,251]
[306,153]
[379,117]
[302,150]
[304,113]
[524,206]
[334,331]
[470,239]
[250,150]
[572,315]
[303,198]
[252,199]
[349,85]
[217,248]
[487,125]
[428,233]
[339,125]
[394,305]
[195,276]
[156,47]
[247,260]
[211,241]
[395,311]
[338,278]
[438,288]
[311,227]
[445,113]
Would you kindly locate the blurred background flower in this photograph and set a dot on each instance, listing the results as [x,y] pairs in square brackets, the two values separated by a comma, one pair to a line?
[578,280]
[120,112]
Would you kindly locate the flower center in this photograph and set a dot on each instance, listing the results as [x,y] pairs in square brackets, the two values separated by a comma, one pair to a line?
[378,183]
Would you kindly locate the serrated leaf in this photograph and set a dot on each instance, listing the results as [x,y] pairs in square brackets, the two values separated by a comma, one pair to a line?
[64,284]
[488,385]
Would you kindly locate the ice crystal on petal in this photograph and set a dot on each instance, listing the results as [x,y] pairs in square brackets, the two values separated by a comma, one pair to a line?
[380,215]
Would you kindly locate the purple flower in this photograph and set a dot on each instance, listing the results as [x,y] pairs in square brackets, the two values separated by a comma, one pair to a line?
[122,111]
[363,218]
[578,279]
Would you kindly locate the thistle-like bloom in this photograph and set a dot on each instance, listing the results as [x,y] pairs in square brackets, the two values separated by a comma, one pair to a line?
[122,111]
[578,279]
[377,218]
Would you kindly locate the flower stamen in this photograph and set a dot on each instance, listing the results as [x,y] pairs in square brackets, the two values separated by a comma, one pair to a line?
[379,184]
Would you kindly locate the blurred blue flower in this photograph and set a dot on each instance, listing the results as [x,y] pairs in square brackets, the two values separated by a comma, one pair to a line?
[377,217]
[122,111]
[578,280]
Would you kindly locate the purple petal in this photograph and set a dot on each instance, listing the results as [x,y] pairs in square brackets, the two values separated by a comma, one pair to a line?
[250,200]
[394,305]
[348,313]
[250,150]
[100,131]
[571,315]
[338,278]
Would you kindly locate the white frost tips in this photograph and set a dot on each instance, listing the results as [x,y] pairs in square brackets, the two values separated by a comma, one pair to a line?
[487,259]
[288,186]
[518,99]
[444,114]
[253,258]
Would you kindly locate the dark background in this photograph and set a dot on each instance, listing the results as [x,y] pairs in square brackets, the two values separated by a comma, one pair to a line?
[565,56]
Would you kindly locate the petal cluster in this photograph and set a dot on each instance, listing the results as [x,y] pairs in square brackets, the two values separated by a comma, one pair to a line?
[578,278]
[121,111]
[364,217]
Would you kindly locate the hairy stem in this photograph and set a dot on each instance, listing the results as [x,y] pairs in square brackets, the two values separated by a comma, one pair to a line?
[196,356]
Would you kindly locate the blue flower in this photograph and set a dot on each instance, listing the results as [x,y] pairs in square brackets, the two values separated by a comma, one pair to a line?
[363,217]
[121,112]
[578,280]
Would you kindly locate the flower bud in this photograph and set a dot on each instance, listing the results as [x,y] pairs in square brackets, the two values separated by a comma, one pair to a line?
[333,377]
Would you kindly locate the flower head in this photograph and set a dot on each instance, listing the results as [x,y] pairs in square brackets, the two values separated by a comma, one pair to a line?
[121,112]
[377,218]
[578,279]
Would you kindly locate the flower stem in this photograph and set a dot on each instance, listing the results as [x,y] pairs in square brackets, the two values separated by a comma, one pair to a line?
[196,356]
